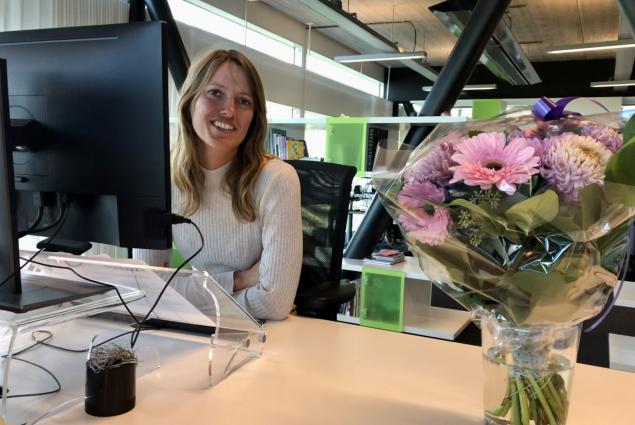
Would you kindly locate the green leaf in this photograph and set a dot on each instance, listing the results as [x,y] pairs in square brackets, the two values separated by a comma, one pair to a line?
[619,194]
[629,129]
[591,204]
[621,166]
[534,212]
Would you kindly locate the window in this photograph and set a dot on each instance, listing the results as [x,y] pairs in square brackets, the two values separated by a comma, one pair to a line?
[203,16]
[328,68]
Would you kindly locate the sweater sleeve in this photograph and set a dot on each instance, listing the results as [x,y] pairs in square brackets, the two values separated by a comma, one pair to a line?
[281,260]
[153,257]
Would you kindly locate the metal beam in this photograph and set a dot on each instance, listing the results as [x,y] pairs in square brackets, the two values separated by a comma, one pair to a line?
[137,11]
[445,91]
[627,10]
[178,60]
[625,58]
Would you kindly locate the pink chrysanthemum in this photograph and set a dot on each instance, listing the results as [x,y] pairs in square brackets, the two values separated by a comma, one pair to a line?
[430,229]
[610,138]
[484,160]
[572,162]
[435,165]
[415,193]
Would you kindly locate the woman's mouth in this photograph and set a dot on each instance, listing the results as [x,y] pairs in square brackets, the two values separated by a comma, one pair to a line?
[223,126]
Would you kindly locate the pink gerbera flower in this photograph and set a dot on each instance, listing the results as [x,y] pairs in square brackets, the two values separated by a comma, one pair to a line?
[428,228]
[484,160]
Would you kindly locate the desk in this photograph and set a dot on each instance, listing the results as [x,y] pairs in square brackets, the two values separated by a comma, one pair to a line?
[420,318]
[318,372]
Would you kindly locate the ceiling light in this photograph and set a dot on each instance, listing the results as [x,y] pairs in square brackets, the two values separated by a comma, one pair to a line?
[379,57]
[469,87]
[616,83]
[587,47]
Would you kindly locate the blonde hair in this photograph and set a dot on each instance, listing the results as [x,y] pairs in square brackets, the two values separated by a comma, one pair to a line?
[241,176]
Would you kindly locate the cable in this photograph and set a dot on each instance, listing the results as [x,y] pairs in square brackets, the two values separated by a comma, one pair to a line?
[59,385]
[174,219]
[92,281]
[50,226]
[38,218]
[64,214]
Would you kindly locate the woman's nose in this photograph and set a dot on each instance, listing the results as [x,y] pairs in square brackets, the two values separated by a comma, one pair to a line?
[228,108]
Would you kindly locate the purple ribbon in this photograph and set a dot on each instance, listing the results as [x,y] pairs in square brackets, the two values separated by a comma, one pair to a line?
[547,110]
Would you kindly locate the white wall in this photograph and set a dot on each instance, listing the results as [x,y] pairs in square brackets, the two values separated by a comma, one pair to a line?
[266,17]
[291,85]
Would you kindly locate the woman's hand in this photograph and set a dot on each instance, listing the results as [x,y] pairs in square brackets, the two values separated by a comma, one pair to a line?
[247,278]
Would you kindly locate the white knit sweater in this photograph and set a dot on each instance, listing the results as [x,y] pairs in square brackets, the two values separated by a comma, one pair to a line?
[274,238]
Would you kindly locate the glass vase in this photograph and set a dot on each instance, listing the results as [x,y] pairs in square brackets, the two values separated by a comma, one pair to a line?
[528,372]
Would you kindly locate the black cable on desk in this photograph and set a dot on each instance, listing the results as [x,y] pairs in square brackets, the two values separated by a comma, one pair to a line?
[62,219]
[174,219]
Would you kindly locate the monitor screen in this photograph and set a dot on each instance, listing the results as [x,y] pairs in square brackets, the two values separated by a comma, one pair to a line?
[83,132]
[95,99]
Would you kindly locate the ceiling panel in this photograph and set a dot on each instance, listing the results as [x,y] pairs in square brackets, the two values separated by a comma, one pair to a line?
[536,25]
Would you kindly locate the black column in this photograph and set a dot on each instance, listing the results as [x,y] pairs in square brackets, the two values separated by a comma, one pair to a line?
[178,60]
[445,91]
[137,11]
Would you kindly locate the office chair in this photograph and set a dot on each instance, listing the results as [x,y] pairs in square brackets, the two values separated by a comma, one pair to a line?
[325,194]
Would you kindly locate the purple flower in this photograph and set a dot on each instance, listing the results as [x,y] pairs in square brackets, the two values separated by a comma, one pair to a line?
[435,165]
[571,162]
[610,138]
[415,193]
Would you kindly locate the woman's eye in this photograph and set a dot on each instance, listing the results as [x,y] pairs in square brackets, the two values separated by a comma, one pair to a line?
[214,92]
[244,102]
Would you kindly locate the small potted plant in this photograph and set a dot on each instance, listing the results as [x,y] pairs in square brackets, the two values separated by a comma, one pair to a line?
[110,380]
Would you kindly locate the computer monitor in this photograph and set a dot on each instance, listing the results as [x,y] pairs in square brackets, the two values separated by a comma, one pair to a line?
[88,123]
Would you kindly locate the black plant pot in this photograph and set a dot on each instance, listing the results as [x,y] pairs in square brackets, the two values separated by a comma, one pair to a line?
[110,392]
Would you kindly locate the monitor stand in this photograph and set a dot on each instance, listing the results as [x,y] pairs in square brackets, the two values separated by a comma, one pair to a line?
[43,291]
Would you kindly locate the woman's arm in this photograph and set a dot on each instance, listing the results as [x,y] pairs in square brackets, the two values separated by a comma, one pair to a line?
[281,260]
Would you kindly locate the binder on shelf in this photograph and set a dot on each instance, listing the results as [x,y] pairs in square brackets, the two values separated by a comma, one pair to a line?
[374,136]
[296,149]
[277,143]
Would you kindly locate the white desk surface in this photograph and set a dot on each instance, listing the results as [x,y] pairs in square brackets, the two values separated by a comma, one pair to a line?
[318,372]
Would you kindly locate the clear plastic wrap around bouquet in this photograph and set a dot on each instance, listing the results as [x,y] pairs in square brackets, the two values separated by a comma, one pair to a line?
[524,219]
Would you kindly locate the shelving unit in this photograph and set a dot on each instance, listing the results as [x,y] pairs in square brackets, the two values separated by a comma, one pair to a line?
[321,122]
[420,318]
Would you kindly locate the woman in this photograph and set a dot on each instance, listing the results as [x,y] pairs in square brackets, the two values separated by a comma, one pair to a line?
[246,203]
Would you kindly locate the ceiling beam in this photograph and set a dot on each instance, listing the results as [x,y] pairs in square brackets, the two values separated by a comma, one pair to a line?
[625,58]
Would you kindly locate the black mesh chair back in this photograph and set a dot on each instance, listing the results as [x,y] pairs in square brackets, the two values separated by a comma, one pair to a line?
[325,196]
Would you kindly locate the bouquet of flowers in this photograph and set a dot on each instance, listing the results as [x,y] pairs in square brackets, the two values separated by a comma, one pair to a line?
[523,218]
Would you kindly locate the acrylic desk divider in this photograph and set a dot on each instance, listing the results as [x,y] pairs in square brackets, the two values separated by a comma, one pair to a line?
[217,335]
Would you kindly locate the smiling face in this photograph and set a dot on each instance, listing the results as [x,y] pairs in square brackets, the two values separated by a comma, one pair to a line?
[222,114]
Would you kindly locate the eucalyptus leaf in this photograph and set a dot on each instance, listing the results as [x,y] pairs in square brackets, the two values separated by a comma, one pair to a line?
[591,201]
[629,129]
[621,166]
[619,194]
[534,212]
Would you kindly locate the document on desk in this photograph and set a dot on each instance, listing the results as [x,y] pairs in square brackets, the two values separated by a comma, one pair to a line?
[190,302]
